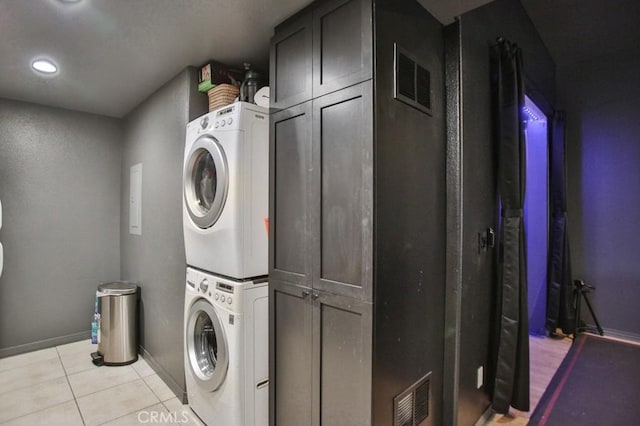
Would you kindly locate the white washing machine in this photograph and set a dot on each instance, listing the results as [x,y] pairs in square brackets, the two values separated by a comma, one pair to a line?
[226,349]
[226,191]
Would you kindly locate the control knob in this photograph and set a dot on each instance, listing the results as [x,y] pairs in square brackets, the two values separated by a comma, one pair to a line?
[204,285]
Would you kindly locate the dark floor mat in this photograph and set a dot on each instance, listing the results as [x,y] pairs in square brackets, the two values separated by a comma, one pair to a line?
[598,383]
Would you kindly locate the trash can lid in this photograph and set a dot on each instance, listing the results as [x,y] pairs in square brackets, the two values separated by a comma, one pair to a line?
[117,288]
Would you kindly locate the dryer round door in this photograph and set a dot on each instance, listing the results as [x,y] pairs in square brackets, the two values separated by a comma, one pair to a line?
[206,181]
[207,348]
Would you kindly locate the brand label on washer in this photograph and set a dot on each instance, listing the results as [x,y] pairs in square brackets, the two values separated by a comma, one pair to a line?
[231,319]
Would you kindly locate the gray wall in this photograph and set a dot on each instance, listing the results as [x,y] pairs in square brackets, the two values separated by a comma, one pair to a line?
[60,192]
[601,98]
[478,30]
[154,136]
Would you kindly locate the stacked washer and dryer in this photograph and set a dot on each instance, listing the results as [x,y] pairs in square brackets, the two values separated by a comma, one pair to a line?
[225,209]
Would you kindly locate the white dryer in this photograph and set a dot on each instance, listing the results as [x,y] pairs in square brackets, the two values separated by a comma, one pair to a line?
[226,191]
[226,349]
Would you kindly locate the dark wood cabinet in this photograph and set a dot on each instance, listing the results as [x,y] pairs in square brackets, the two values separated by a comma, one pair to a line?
[291,62]
[290,355]
[322,186]
[321,259]
[321,50]
[357,217]
[342,339]
[320,357]
[342,44]
[291,189]
[342,192]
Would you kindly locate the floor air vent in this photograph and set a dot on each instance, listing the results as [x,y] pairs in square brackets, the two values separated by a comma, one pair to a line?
[411,407]
[412,81]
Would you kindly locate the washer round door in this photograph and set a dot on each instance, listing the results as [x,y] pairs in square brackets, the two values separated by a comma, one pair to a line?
[207,347]
[206,181]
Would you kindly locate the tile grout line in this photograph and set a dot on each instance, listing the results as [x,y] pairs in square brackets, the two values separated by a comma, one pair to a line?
[152,391]
[140,377]
[36,384]
[133,412]
[110,387]
[107,388]
[31,385]
[66,374]
[75,400]
[28,363]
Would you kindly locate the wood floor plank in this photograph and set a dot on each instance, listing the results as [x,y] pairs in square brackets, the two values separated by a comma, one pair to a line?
[546,355]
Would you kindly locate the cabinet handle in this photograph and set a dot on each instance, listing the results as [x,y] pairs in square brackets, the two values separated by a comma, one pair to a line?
[314,296]
[305,293]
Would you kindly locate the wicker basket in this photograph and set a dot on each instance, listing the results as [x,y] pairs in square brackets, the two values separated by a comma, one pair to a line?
[221,95]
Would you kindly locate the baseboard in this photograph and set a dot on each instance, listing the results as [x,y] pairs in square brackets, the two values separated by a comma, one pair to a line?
[624,335]
[485,417]
[175,387]
[44,344]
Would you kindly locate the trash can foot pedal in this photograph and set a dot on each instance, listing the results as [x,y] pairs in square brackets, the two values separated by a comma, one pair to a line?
[97,359]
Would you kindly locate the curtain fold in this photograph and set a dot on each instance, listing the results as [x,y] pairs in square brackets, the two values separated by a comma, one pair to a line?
[560,312]
[511,386]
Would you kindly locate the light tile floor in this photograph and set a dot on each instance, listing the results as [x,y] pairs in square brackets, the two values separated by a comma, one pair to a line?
[60,386]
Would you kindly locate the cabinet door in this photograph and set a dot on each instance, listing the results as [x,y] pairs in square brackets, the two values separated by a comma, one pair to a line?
[342,193]
[290,164]
[290,73]
[290,356]
[342,342]
[342,44]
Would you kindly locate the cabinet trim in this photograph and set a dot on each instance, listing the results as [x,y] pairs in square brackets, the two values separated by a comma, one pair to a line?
[304,278]
[363,291]
[283,32]
[294,291]
[365,72]
[365,310]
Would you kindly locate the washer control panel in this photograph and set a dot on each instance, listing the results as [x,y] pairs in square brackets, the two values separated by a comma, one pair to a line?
[220,292]
[224,293]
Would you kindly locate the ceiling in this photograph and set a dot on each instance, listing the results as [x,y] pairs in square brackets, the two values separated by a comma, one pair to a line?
[112,54]
[446,10]
[579,30]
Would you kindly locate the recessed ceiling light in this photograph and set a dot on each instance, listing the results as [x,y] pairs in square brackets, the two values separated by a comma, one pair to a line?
[44,66]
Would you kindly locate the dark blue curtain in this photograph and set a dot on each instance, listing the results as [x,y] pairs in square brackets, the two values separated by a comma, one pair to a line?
[560,312]
[511,369]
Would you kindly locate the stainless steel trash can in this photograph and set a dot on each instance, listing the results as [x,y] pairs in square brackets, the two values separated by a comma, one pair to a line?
[118,340]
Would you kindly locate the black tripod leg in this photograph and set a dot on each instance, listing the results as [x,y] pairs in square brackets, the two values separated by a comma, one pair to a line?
[595,318]
[577,315]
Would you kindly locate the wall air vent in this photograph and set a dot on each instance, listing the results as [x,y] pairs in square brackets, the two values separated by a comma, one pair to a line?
[405,78]
[412,83]
[411,407]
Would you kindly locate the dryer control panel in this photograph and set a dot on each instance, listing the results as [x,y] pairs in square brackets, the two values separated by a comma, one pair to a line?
[230,117]
[226,118]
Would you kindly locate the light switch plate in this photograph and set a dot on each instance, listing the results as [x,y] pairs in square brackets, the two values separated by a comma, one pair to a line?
[480,377]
